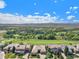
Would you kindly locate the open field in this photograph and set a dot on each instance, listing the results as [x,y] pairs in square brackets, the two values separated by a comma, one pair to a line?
[32,41]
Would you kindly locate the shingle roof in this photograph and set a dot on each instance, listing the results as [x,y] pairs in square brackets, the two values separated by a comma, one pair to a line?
[53,46]
[10,45]
[23,47]
[38,47]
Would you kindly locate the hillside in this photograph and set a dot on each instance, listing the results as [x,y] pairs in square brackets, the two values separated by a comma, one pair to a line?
[74,25]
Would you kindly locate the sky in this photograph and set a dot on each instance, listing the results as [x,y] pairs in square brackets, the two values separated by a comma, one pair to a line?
[39,11]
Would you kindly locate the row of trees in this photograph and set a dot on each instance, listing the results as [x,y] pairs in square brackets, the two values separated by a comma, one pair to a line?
[48,34]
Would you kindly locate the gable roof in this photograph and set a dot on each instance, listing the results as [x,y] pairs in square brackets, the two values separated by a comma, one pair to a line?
[10,45]
[23,47]
[38,47]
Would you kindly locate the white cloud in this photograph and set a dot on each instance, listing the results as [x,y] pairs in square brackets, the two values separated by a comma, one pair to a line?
[35,3]
[68,12]
[71,17]
[16,19]
[36,13]
[2,4]
[47,14]
[29,16]
[9,18]
[55,1]
[62,19]
[54,12]
[73,8]
[77,21]
[40,19]
[20,19]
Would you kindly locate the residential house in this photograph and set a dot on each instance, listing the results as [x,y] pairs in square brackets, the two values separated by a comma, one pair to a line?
[9,47]
[76,49]
[2,55]
[55,48]
[38,49]
[23,49]
[70,49]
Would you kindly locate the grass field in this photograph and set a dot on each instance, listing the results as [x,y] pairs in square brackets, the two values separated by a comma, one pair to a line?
[31,41]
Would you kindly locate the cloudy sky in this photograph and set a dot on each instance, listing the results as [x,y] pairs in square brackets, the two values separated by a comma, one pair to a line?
[39,11]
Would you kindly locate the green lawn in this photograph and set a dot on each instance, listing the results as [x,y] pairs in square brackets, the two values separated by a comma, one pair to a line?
[32,41]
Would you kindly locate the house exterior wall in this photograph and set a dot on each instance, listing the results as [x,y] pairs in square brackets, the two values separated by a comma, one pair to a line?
[2,55]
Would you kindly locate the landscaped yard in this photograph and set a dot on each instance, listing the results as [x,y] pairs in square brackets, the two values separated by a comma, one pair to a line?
[32,41]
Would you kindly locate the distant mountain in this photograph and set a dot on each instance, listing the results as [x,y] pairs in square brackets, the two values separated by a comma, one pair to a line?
[75,25]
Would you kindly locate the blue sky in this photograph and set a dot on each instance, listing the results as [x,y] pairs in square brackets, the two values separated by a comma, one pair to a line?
[63,10]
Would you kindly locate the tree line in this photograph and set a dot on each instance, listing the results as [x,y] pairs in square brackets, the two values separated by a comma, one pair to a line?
[42,34]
